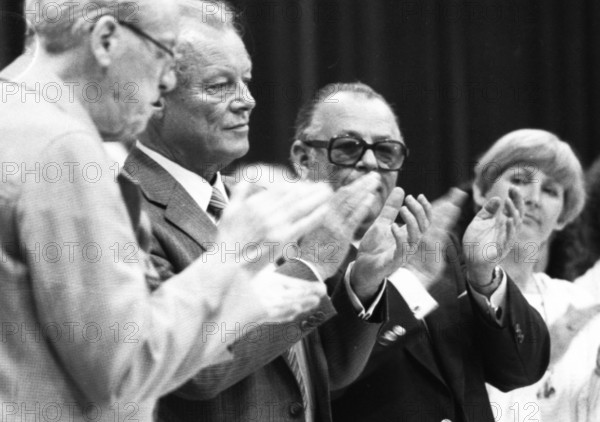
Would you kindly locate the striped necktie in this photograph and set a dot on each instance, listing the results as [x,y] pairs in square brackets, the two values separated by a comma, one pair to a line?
[292,360]
[217,203]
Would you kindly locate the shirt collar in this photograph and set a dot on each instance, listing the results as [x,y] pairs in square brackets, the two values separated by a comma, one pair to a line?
[196,186]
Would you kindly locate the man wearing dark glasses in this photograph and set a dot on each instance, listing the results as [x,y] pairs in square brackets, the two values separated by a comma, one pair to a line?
[445,337]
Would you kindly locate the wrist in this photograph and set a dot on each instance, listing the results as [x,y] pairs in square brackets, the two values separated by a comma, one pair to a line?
[363,286]
[485,281]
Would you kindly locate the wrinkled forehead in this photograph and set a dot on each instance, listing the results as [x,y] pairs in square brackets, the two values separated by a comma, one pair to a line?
[213,50]
[159,18]
[369,118]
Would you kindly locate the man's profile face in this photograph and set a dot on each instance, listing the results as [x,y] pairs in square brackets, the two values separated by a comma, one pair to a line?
[140,72]
[369,119]
[208,118]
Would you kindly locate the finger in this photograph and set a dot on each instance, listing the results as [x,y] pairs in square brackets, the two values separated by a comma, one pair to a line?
[361,212]
[412,226]
[426,206]
[349,199]
[456,197]
[399,236]
[490,208]
[418,211]
[390,210]
[510,209]
[517,198]
[300,202]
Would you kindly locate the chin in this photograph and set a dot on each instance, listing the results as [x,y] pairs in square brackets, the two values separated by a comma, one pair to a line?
[238,149]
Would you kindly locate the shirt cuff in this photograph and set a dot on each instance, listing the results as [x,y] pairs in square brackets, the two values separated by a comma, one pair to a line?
[363,313]
[416,296]
[495,305]
[311,267]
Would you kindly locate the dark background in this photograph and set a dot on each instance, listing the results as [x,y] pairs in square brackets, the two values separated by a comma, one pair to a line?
[459,73]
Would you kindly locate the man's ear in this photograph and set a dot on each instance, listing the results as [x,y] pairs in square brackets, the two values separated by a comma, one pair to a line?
[158,109]
[478,197]
[300,157]
[104,39]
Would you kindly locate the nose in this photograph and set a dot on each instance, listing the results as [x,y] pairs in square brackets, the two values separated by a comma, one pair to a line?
[368,161]
[531,194]
[243,100]
[168,80]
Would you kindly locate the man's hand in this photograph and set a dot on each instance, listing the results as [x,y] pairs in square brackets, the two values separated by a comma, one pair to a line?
[425,254]
[285,298]
[258,223]
[327,245]
[489,238]
[379,254]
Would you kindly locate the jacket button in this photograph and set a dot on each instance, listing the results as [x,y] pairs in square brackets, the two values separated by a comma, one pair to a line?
[320,315]
[313,320]
[446,420]
[520,337]
[296,409]
[399,330]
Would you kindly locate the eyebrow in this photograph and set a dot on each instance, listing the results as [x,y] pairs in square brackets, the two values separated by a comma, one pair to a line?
[359,135]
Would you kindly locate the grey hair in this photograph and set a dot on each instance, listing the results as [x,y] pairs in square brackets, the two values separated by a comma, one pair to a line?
[60,24]
[196,15]
[307,110]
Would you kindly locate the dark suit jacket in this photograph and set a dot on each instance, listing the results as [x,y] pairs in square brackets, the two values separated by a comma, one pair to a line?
[438,372]
[258,384]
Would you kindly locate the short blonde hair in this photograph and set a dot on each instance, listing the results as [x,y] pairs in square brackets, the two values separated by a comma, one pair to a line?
[539,149]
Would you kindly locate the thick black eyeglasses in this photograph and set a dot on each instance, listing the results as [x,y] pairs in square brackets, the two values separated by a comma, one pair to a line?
[148,37]
[347,150]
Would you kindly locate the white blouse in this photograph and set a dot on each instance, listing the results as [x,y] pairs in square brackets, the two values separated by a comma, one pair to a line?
[555,397]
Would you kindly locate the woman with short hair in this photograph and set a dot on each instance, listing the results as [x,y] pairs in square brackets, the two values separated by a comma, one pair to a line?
[550,179]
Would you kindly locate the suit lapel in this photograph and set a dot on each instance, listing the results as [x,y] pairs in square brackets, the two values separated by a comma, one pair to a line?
[445,329]
[185,213]
[418,345]
[159,187]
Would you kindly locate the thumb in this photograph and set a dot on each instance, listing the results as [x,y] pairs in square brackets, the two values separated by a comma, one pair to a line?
[490,208]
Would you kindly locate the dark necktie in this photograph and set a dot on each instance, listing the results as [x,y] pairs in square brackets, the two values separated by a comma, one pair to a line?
[217,203]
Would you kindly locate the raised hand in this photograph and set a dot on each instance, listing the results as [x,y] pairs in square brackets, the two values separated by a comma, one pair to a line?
[327,245]
[283,297]
[428,230]
[490,236]
[379,254]
[258,223]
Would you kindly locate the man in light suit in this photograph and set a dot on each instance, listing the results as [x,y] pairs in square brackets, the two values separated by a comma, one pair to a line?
[202,127]
[455,322]
[82,337]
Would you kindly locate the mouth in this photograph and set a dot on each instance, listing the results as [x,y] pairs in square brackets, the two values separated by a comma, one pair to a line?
[239,127]
[529,217]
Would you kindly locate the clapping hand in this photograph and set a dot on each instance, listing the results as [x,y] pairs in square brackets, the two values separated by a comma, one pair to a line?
[256,225]
[379,254]
[428,230]
[327,245]
[495,224]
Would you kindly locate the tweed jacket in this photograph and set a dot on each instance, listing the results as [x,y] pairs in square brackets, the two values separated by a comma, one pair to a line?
[81,337]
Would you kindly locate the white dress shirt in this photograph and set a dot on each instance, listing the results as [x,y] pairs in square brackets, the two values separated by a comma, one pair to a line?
[196,186]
